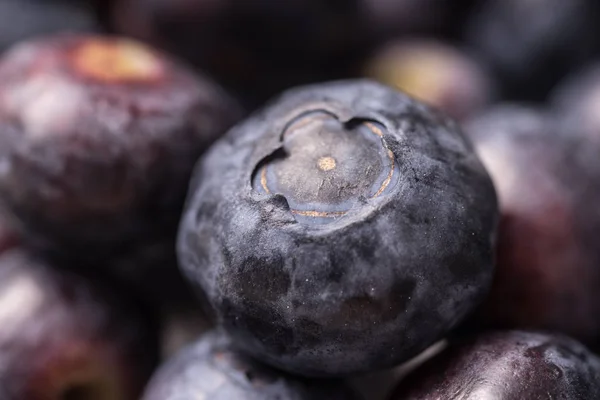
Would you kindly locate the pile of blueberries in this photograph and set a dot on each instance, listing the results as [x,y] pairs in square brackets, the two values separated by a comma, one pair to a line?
[299,199]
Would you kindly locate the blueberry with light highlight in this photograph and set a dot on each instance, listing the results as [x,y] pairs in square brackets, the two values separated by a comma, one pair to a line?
[211,368]
[67,337]
[344,228]
[509,365]
[98,137]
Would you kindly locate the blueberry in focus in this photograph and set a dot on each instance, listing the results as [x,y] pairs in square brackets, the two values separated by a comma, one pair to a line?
[98,136]
[434,72]
[531,45]
[548,260]
[66,337]
[343,228]
[211,368]
[511,365]
[27,19]
[255,48]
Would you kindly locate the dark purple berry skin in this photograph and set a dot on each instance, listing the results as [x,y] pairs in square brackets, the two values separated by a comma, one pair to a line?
[531,45]
[65,336]
[212,369]
[98,137]
[511,365]
[344,228]
[548,259]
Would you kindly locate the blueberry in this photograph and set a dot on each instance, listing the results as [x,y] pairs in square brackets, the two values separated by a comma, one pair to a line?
[512,365]
[68,337]
[344,228]
[548,261]
[98,138]
[212,369]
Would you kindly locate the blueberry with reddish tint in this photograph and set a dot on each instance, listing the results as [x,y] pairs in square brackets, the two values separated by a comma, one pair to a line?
[256,48]
[98,138]
[211,368]
[531,45]
[436,73]
[65,337]
[577,100]
[342,229]
[548,258]
[26,19]
[510,365]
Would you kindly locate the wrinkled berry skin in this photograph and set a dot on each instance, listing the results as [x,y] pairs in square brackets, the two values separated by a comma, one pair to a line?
[98,137]
[548,261]
[65,336]
[511,365]
[344,228]
[212,369]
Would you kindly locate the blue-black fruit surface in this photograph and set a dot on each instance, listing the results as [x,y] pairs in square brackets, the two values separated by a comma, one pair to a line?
[211,368]
[367,289]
